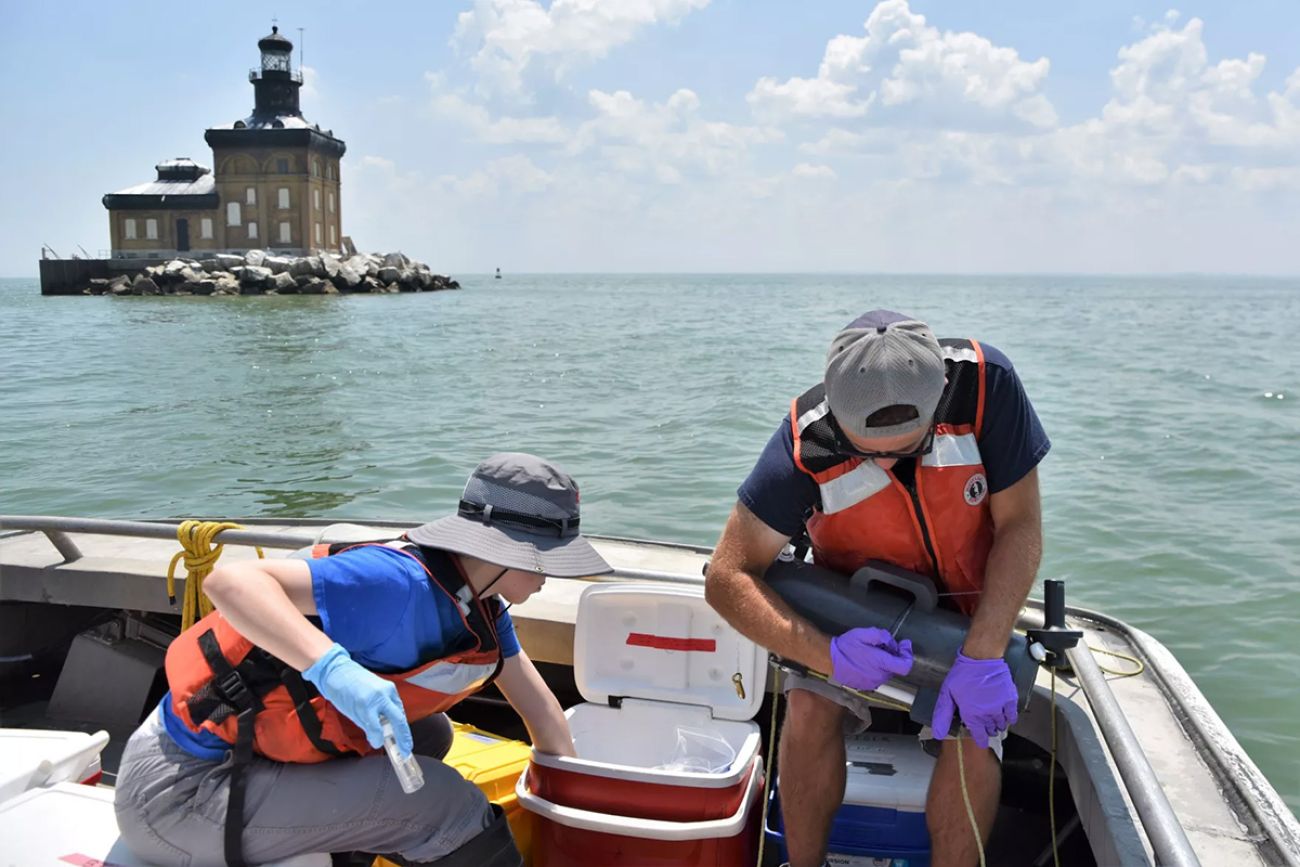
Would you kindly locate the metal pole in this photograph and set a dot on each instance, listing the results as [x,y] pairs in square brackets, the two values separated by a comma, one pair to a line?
[1161,824]
[64,543]
[146,529]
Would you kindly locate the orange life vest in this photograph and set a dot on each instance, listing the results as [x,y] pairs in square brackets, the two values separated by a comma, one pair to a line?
[940,525]
[217,675]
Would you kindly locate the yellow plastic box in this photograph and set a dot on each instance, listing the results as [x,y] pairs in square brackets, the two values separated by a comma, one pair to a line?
[492,763]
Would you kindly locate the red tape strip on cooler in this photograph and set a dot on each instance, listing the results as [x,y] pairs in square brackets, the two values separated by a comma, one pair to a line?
[663,642]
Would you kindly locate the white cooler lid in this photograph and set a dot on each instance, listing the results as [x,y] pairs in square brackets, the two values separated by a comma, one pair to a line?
[663,642]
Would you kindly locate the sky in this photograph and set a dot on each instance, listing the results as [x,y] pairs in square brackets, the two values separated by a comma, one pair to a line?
[938,136]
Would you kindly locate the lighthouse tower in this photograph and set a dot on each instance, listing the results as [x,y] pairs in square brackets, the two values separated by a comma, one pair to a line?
[277,174]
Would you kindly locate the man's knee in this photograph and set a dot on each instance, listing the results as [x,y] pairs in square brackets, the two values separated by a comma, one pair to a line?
[812,716]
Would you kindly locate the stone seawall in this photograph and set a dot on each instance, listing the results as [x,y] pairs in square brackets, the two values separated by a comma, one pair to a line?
[259,273]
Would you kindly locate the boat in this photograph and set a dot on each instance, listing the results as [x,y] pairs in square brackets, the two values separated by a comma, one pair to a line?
[1139,768]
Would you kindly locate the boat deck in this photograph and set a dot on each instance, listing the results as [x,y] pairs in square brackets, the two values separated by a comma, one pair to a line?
[1228,811]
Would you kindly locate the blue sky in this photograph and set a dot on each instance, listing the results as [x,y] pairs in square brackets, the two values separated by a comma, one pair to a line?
[703,135]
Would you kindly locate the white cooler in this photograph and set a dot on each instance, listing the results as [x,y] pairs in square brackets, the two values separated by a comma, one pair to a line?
[37,757]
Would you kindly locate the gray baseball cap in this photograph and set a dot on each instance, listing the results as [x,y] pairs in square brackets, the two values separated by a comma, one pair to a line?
[521,512]
[883,359]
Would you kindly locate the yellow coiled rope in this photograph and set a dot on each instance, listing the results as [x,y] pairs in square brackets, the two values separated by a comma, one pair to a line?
[201,554]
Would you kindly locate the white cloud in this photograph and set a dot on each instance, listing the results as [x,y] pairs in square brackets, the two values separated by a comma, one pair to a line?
[501,130]
[509,36]
[512,175]
[811,172]
[905,71]
[666,140]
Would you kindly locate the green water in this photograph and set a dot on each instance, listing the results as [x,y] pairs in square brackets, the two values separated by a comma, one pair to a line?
[1171,495]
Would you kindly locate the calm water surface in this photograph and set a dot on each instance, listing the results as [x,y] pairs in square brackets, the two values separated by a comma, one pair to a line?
[1171,495]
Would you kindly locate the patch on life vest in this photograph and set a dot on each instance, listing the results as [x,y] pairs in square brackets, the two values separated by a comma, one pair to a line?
[977,488]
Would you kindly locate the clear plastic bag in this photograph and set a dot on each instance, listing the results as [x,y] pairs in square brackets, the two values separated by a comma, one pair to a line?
[700,752]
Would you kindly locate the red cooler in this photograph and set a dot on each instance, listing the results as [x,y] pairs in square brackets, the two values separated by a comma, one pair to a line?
[667,770]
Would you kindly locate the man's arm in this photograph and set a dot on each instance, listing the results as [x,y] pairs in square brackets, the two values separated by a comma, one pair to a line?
[528,694]
[266,601]
[1011,569]
[734,587]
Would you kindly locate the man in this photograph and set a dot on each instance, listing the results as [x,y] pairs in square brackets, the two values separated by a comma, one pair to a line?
[267,745]
[923,454]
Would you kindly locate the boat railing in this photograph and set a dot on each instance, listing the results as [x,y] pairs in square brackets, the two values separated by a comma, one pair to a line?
[1167,837]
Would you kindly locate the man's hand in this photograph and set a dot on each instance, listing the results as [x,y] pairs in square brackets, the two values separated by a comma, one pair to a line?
[865,658]
[983,691]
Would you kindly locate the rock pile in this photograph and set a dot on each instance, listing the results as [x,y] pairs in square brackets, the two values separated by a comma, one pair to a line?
[260,273]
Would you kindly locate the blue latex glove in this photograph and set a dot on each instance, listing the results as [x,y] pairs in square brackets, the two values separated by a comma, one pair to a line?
[983,691]
[360,695]
[865,658]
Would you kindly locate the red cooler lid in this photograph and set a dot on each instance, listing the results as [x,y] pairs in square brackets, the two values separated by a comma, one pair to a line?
[663,642]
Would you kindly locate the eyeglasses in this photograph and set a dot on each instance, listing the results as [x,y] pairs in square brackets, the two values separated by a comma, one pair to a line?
[844,447]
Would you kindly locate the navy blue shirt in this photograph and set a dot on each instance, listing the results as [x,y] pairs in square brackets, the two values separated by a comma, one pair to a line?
[379,605]
[1011,443]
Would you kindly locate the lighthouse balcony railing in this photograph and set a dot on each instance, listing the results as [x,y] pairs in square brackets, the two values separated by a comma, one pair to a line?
[255,74]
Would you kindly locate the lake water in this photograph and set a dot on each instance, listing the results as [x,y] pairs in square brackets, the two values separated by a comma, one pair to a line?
[1171,495]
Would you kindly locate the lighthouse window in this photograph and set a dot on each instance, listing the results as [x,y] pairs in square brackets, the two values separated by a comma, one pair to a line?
[283,198]
[282,166]
[331,203]
[151,230]
[334,237]
[252,230]
[130,229]
[317,234]
[315,199]
[285,236]
[232,214]
[250,196]
[205,228]
[315,168]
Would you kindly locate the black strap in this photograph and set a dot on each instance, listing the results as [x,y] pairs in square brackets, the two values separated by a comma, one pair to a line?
[232,689]
[486,514]
[234,830]
[302,693]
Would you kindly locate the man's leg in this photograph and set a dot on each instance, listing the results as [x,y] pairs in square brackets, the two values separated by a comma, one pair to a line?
[952,840]
[812,774]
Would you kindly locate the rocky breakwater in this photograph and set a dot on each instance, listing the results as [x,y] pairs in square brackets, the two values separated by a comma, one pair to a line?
[259,273]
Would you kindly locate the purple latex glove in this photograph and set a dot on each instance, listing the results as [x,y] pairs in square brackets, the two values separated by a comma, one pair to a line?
[865,658]
[983,691]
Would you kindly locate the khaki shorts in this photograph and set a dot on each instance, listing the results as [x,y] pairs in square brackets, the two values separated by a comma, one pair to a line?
[858,718]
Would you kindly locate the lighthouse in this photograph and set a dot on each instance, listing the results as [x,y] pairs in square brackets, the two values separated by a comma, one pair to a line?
[274,185]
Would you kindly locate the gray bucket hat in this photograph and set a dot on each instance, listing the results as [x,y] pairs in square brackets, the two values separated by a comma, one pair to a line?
[521,512]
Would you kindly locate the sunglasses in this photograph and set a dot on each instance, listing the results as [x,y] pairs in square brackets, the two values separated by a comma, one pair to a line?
[844,447]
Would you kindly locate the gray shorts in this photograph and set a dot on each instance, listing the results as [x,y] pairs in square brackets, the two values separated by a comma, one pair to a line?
[858,718]
[171,806]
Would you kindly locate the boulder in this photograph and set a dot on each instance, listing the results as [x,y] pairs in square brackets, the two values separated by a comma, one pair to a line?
[283,282]
[397,260]
[389,274]
[255,258]
[277,264]
[329,266]
[225,261]
[252,275]
[143,285]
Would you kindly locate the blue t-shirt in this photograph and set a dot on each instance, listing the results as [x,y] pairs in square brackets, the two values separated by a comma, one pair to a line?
[379,605]
[1012,442]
